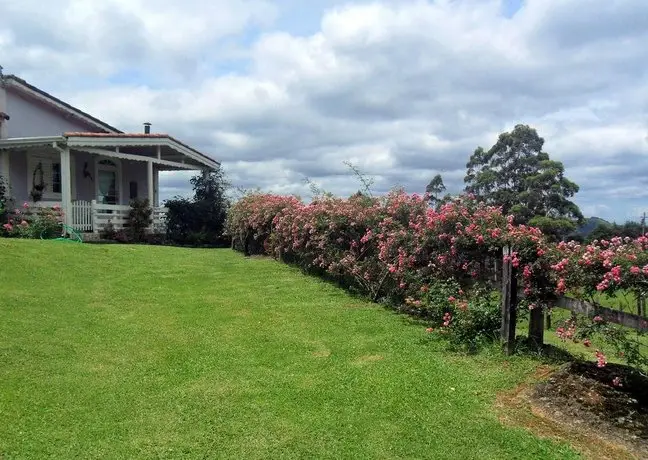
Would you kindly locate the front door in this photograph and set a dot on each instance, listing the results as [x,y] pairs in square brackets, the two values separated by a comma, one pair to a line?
[107,182]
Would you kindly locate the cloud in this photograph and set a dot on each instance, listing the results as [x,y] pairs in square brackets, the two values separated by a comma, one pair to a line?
[403,89]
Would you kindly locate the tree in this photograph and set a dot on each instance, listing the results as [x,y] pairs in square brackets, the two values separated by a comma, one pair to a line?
[435,188]
[608,231]
[201,220]
[518,176]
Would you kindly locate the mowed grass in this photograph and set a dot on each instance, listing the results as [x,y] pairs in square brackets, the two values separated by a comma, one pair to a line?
[155,352]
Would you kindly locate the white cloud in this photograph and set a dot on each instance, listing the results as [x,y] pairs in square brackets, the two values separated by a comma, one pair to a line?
[403,89]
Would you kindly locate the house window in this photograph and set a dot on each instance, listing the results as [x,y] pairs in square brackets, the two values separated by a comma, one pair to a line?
[45,168]
[56,177]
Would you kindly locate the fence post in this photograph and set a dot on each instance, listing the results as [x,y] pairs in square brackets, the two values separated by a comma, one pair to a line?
[93,212]
[641,304]
[509,302]
[536,326]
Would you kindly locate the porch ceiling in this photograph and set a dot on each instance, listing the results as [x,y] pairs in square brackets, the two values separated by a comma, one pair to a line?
[168,153]
[153,146]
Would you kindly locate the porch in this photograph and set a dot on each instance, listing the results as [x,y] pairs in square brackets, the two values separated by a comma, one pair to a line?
[91,216]
[93,177]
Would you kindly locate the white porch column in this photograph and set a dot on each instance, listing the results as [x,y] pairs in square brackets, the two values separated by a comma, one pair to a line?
[149,183]
[156,186]
[66,185]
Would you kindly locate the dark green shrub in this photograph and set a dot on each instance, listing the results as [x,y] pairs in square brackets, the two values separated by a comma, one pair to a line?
[139,219]
[108,232]
[467,319]
[201,220]
[4,201]
[478,323]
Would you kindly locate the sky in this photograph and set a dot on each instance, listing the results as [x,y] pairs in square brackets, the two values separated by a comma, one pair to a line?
[288,90]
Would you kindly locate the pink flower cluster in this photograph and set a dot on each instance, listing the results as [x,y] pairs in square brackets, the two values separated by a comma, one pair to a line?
[604,266]
[30,222]
[601,359]
[397,244]
[567,331]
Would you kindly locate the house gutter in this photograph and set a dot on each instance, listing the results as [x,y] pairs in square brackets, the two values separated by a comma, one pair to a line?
[19,142]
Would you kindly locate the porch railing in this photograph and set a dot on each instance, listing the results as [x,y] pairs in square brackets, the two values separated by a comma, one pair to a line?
[90,216]
[82,215]
[105,214]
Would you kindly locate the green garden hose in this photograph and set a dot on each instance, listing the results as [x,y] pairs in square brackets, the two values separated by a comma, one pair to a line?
[71,235]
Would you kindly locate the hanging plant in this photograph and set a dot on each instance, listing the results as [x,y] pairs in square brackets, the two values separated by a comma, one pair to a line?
[38,181]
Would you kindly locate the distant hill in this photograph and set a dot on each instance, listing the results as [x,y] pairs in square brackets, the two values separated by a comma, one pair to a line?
[590,224]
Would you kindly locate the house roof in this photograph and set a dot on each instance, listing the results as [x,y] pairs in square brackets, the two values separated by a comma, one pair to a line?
[142,136]
[111,132]
[56,103]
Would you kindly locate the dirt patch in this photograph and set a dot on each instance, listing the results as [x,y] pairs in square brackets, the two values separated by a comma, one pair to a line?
[580,405]
[368,359]
[322,353]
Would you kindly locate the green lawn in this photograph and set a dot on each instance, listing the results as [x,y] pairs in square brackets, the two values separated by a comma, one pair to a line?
[154,352]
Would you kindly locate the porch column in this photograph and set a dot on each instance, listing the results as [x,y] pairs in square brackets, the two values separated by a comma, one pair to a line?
[149,183]
[66,186]
[156,186]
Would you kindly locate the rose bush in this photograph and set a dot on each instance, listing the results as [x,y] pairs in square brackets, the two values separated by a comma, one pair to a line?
[33,222]
[393,247]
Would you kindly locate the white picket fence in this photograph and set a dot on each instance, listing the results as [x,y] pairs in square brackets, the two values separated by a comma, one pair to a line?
[90,216]
[82,216]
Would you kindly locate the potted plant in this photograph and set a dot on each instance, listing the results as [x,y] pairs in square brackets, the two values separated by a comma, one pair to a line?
[38,182]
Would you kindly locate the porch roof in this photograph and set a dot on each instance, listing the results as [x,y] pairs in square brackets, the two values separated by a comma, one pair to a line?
[162,149]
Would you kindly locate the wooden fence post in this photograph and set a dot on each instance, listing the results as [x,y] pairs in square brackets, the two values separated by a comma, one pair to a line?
[509,302]
[536,327]
[641,304]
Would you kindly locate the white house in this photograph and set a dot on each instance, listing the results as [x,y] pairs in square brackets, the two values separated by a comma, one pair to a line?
[54,154]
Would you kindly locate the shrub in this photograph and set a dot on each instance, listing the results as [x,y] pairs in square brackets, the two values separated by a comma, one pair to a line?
[476,321]
[394,246]
[108,232]
[4,201]
[34,223]
[138,219]
[201,220]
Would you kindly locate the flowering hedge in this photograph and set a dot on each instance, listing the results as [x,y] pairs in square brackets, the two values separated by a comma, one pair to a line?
[393,246]
[437,263]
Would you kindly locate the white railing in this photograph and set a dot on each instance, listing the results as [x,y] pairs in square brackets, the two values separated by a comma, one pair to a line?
[82,216]
[159,219]
[106,214]
[90,216]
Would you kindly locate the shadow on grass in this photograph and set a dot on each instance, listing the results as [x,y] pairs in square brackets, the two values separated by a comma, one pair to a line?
[546,353]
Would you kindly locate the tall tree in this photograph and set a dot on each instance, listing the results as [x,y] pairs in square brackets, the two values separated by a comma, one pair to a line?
[201,220]
[210,199]
[519,176]
[435,189]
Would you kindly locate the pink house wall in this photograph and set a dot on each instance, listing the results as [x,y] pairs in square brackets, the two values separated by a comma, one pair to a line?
[31,119]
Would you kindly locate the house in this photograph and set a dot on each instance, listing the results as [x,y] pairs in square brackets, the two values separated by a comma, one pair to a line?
[52,153]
